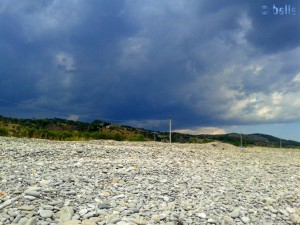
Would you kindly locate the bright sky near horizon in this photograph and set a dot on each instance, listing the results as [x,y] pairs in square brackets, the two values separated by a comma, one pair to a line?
[210,66]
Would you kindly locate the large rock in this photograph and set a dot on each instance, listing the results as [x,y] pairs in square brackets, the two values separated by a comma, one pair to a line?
[295,219]
[32,192]
[235,213]
[66,213]
[46,213]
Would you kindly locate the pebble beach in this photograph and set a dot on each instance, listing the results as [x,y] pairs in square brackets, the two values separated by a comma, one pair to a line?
[104,182]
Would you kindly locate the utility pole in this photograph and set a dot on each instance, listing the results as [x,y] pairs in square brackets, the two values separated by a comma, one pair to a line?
[170,130]
[241,139]
[280,142]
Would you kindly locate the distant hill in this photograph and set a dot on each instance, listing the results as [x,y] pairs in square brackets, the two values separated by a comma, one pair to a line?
[253,140]
[61,129]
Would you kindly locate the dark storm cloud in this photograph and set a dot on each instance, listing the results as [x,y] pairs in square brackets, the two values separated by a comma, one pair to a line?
[198,62]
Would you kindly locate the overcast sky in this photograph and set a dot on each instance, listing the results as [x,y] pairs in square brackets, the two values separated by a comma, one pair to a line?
[209,65]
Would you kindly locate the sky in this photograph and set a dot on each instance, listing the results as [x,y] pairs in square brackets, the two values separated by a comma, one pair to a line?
[211,66]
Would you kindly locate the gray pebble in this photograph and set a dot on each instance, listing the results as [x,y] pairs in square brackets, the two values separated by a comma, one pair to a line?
[46,213]
[245,219]
[32,192]
[235,213]
[124,183]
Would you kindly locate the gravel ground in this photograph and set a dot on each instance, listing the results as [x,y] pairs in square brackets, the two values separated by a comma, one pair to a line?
[105,182]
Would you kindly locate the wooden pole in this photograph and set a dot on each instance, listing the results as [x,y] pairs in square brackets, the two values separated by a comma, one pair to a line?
[170,129]
[241,139]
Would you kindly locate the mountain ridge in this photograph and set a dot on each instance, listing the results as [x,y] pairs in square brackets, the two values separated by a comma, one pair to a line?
[62,129]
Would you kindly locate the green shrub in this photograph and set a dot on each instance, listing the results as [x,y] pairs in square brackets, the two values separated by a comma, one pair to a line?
[138,137]
[207,140]
[3,131]
[99,135]
[193,140]
[65,135]
[118,137]
[30,132]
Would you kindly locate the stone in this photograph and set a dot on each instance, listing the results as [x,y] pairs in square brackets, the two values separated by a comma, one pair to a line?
[46,213]
[228,219]
[140,221]
[122,223]
[32,192]
[135,210]
[48,207]
[6,203]
[211,221]
[32,221]
[26,207]
[290,210]
[105,194]
[88,215]
[295,218]
[235,213]
[66,213]
[104,206]
[155,218]
[269,201]
[166,198]
[201,215]
[252,211]
[29,197]
[245,219]
[17,218]
[91,221]
[71,222]
[55,202]
[83,211]
[23,221]
[45,183]
[75,217]
[284,212]
[112,218]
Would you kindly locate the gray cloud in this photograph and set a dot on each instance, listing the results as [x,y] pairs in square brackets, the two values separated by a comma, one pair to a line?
[198,62]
